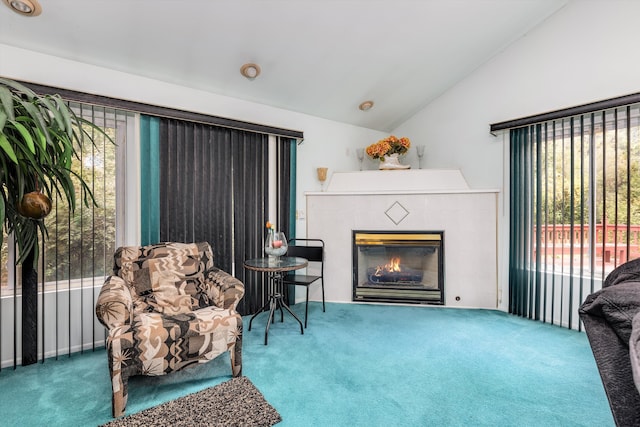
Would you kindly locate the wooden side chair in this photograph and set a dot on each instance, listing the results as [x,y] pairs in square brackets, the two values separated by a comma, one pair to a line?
[313,251]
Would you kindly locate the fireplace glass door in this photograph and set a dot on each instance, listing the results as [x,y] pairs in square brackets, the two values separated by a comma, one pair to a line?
[402,267]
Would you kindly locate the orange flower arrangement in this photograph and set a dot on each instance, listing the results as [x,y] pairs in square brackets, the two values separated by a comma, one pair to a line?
[389,145]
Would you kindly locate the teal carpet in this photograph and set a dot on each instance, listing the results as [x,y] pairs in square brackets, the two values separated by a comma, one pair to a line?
[356,365]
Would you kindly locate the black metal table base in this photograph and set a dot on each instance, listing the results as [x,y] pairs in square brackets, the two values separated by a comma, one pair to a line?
[276,302]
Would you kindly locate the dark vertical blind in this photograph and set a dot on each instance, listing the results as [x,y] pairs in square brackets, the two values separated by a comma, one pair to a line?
[286,197]
[575,209]
[250,213]
[78,251]
[215,187]
[286,180]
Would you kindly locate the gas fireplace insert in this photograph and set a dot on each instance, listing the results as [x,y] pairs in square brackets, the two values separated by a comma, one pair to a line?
[400,267]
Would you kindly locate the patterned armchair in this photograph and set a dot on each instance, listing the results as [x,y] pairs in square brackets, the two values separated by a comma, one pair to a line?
[166,307]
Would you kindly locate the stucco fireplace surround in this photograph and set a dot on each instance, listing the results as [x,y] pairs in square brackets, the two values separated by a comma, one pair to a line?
[409,200]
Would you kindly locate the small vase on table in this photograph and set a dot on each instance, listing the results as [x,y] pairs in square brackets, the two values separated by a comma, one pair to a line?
[275,245]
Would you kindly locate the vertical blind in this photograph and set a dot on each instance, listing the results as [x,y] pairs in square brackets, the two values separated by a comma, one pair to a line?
[75,256]
[286,198]
[78,252]
[575,210]
[215,187]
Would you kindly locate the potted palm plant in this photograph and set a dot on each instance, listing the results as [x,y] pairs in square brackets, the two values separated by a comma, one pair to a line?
[39,136]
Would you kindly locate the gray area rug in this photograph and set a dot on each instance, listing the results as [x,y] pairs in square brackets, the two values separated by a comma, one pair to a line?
[236,402]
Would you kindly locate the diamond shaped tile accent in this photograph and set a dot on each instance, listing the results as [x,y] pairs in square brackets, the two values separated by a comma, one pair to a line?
[396,213]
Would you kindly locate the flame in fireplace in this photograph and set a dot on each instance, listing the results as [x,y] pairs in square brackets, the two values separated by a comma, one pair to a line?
[393,265]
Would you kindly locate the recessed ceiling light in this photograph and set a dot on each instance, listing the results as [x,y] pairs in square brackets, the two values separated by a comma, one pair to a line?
[24,7]
[366,105]
[250,71]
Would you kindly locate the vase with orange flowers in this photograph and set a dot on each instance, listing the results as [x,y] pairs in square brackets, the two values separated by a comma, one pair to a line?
[388,150]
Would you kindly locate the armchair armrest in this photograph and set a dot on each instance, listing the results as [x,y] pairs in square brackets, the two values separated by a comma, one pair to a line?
[114,306]
[223,289]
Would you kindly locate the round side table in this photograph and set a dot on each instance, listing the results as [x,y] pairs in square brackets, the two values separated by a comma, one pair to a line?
[276,269]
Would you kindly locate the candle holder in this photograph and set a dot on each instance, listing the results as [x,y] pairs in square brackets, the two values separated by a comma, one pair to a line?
[322,176]
[420,150]
[275,245]
[360,154]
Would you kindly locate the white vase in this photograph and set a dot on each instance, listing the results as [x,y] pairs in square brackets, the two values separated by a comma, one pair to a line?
[392,162]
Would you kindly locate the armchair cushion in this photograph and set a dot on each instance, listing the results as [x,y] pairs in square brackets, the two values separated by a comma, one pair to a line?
[200,338]
[168,277]
[142,282]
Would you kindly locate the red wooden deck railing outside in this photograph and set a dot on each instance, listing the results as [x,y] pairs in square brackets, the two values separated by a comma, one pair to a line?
[611,244]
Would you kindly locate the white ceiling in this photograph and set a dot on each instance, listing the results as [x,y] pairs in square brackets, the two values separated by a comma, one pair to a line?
[319,57]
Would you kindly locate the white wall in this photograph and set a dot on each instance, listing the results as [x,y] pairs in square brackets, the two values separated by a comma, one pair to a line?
[326,143]
[586,52]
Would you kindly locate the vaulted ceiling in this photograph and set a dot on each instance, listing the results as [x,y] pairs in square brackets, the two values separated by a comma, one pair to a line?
[319,57]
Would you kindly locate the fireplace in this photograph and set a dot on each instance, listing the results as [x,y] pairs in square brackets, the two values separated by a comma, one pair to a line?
[400,267]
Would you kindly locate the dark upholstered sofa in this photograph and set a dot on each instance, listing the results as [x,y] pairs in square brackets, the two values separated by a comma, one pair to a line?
[611,321]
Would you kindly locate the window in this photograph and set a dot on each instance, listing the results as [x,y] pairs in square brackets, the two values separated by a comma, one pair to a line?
[77,253]
[575,210]
[80,246]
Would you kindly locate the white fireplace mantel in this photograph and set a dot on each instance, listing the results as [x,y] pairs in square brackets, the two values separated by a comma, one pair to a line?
[419,180]
[424,199]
